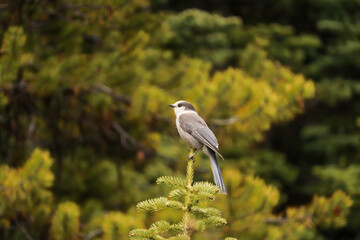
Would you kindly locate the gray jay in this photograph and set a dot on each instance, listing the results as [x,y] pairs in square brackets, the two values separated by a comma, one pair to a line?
[196,133]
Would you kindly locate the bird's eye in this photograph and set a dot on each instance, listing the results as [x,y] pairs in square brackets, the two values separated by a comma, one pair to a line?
[180,105]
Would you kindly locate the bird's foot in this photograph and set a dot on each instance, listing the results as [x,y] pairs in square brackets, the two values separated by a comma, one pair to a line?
[192,155]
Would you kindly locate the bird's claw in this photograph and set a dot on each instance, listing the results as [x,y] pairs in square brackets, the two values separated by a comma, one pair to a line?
[191,156]
[192,159]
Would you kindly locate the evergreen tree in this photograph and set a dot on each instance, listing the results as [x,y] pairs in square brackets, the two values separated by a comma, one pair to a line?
[91,82]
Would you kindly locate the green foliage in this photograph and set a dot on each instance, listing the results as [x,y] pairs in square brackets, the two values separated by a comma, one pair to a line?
[332,212]
[215,36]
[321,138]
[152,204]
[91,82]
[171,181]
[347,178]
[252,198]
[14,57]
[26,189]
[104,178]
[115,226]
[194,218]
[65,222]
[250,202]
[25,196]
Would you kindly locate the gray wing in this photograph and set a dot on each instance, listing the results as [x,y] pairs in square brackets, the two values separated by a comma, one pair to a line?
[193,124]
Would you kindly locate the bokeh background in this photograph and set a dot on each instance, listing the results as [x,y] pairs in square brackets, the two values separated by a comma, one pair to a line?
[85,126]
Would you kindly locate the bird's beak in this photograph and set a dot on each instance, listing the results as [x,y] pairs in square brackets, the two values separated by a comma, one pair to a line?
[172,105]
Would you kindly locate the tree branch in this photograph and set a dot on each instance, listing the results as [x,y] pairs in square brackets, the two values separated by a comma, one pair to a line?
[283,220]
[23,230]
[189,182]
[126,138]
[260,208]
[226,121]
[108,91]
[91,235]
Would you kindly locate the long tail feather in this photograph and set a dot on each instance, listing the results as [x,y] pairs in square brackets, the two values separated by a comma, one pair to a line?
[216,170]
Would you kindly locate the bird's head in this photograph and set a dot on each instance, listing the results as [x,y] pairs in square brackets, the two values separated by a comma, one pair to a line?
[182,106]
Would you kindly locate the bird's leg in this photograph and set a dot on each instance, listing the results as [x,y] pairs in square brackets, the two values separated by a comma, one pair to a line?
[192,155]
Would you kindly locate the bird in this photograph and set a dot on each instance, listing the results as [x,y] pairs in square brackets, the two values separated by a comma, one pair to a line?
[198,136]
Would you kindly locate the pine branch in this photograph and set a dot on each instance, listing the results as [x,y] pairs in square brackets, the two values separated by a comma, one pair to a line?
[140,234]
[175,205]
[202,197]
[206,187]
[205,212]
[152,205]
[180,237]
[177,194]
[171,181]
[178,227]
[161,226]
[212,221]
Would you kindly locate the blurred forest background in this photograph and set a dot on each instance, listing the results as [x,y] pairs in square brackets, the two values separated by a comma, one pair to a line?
[85,127]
